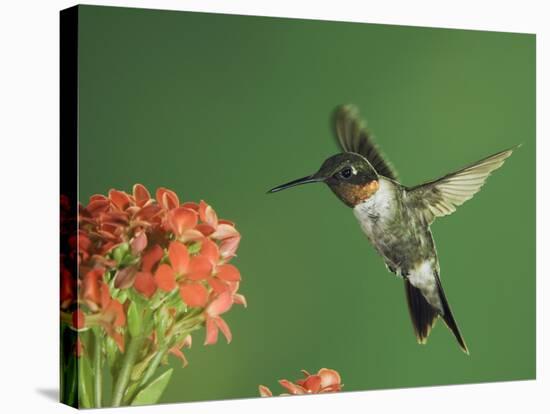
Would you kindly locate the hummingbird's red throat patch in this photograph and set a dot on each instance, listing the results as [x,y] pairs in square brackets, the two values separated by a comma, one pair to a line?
[353,194]
[368,190]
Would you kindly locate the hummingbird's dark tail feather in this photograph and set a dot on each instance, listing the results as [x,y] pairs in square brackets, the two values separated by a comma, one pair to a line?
[423,315]
[449,318]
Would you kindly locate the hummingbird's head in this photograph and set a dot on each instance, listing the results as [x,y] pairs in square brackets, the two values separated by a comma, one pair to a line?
[349,175]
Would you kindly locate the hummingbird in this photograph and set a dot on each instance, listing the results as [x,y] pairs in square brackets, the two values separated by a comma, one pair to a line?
[395,218]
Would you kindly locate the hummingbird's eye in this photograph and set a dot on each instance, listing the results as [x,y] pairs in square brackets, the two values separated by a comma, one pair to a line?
[346,173]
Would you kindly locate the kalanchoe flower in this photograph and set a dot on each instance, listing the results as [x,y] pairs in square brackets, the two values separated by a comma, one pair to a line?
[326,380]
[137,269]
[161,249]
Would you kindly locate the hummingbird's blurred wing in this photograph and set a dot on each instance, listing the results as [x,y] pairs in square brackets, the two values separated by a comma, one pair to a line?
[353,136]
[441,197]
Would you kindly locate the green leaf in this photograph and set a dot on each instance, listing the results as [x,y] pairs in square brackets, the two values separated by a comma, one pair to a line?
[129,260]
[152,392]
[120,251]
[134,320]
[121,296]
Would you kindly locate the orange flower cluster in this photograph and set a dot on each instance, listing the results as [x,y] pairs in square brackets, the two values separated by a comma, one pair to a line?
[326,380]
[170,255]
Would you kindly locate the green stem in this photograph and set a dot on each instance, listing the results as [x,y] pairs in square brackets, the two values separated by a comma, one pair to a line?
[98,372]
[150,371]
[70,395]
[153,366]
[126,369]
[83,396]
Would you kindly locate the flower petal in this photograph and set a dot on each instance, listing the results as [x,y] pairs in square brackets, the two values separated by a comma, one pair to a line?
[210,250]
[95,207]
[294,389]
[167,198]
[118,338]
[114,314]
[312,384]
[178,354]
[145,284]
[191,205]
[332,388]
[329,377]
[207,214]
[165,278]
[179,256]
[98,197]
[220,305]
[224,327]
[218,285]
[68,286]
[211,332]
[124,278]
[229,273]
[139,243]
[225,231]
[194,295]
[199,268]
[105,295]
[187,342]
[205,229]
[151,258]
[120,199]
[141,194]
[90,288]
[264,391]
[182,219]
[148,212]
[191,235]
[229,246]
[239,299]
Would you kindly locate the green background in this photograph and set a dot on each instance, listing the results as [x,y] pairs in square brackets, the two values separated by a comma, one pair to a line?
[222,108]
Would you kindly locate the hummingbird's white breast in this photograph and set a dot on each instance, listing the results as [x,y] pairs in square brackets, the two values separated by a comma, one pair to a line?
[377,210]
[375,215]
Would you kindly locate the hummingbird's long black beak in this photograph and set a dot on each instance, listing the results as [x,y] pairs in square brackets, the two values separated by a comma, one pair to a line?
[305,180]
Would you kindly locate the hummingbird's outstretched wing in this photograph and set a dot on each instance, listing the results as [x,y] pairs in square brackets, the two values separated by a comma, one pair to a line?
[353,136]
[441,197]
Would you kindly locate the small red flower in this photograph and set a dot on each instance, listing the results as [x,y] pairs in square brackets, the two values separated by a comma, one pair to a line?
[326,380]
[187,272]
[214,322]
[156,246]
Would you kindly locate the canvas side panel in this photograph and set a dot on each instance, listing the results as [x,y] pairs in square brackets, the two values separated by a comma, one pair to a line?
[68,203]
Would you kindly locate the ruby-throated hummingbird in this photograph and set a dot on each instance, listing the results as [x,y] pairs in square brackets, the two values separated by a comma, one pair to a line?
[396,218]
